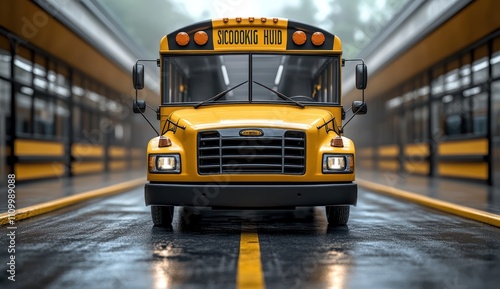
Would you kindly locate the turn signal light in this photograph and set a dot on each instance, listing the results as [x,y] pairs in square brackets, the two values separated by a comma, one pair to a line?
[164,142]
[182,38]
[337,142]
[152,163]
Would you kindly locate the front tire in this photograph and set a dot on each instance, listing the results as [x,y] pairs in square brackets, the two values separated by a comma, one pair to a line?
[337,215]
[162,215]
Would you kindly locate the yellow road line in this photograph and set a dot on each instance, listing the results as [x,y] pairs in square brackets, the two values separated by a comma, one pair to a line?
[444,206]
[249,265]
[35,210]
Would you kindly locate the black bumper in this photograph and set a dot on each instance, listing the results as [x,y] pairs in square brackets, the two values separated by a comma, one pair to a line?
[251,195]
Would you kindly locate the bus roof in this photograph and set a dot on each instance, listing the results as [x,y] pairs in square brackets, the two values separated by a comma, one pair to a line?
[250,34]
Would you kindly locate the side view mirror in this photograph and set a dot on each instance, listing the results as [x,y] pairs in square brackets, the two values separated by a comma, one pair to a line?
[138,76]
[359,107]
[361,76]
[139,106]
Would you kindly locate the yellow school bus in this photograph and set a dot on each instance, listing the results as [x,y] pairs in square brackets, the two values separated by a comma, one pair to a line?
[250,118]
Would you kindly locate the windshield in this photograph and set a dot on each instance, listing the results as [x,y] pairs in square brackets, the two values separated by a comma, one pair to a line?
[251,78]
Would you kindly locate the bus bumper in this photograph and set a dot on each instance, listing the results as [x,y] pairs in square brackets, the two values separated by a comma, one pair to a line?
[250,195]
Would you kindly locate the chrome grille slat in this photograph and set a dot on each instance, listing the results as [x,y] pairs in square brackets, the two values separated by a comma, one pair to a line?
[226,152]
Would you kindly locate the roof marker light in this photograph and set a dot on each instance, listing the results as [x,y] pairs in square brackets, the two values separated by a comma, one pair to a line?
[337,142]
[299,37]
[251,19]
[164,142]
[263,19]
[182,38]
[318,38]
[238,19]
[201,38]
[275,20]
[225,20]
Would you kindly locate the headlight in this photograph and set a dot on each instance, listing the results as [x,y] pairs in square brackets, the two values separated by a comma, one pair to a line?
[164,164]
[338,163]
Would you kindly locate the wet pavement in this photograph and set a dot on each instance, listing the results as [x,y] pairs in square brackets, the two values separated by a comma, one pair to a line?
[477,195]
[29,193]
[110,243]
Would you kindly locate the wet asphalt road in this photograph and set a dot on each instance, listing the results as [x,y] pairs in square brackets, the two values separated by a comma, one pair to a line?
[110,243]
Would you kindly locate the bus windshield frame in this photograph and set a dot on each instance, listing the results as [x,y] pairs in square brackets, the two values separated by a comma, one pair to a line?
[268,78]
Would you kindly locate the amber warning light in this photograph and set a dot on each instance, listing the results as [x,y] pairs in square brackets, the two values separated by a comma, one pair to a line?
[182,38]
[300,37]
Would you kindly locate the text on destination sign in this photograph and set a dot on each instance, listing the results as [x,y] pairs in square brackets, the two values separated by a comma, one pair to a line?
[249,37]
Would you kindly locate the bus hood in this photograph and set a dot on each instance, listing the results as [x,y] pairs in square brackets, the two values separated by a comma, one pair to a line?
[225,116]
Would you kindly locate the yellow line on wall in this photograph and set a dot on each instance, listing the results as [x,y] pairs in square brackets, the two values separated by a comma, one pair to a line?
[463,211]
[250,275]
[35,210]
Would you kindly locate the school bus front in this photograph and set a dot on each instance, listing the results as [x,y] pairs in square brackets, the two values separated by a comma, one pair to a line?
[251,118]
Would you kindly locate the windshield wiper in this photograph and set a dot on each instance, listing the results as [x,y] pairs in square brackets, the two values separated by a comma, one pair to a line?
[281,95]
[219,95]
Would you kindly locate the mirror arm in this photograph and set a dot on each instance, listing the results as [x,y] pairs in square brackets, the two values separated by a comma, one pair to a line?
[157,61]
[364,70]
[151,107]
[362,92]
[352,116]
[354,59]
[157,111]
[147,120]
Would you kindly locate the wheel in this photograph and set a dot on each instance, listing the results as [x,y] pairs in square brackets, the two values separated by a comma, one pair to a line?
[337,215]
[162,215]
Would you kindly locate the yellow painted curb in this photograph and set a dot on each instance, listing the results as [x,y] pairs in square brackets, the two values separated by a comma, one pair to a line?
[43,208]
[463,211]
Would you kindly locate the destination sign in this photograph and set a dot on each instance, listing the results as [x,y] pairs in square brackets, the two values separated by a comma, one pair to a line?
[253,38]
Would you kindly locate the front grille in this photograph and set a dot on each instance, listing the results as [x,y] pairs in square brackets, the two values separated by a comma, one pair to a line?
[277,151]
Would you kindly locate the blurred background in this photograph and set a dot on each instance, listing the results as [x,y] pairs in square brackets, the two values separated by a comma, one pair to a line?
[355,22]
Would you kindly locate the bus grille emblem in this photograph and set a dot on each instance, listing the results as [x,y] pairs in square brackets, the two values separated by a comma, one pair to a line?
[251,132]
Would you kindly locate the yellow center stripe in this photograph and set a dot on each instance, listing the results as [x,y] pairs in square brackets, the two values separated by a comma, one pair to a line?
[249,264]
